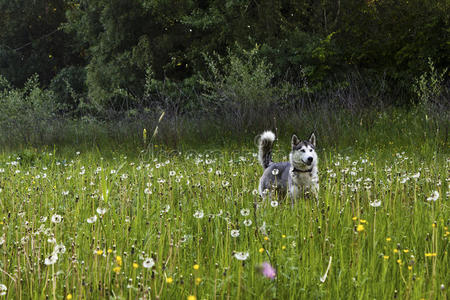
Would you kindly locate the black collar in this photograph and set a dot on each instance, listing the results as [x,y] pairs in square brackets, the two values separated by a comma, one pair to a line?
[301,171]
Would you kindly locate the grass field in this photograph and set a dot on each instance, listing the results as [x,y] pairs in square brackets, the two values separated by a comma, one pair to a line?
[189,224]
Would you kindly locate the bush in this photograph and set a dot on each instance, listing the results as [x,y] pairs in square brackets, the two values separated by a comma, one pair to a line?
[239,86]
[26,114]
[430,88]
[69,87]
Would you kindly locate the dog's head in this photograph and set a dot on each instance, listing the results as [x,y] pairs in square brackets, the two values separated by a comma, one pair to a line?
[303,154]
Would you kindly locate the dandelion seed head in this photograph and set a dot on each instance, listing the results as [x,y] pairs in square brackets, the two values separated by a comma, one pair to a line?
[241,255]
[235,233]
[56,218]
[148,263]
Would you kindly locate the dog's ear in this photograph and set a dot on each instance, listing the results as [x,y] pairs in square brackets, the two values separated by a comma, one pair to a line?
[295,141]
[312,139]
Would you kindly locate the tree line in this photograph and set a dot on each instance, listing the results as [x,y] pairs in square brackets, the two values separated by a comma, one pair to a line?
[120,54]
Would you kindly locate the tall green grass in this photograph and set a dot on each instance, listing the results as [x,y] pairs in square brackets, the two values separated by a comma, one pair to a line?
[177,208]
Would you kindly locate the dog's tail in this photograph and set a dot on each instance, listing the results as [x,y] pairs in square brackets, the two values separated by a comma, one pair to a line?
[265,148]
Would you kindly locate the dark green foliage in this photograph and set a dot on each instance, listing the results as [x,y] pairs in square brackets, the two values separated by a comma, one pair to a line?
[31,40]
[98,54]
[69,87]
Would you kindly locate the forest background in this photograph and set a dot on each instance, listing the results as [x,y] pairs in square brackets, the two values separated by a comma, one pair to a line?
[77,71]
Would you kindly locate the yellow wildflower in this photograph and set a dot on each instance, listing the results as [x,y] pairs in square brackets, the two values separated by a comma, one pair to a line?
[116,270]
[169,280]
[196,267]
[360,228]
[198,280]
[119,260]
[261,250]
[191,297]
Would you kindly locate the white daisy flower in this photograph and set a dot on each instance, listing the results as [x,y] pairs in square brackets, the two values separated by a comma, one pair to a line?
[235,233]
[274,203]
[275,172]
[247,222]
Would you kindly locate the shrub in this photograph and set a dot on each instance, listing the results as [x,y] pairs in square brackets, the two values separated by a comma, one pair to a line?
[26,113]
[69,86]
[430,87]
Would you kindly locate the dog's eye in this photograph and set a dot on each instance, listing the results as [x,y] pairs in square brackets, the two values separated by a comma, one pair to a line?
[310,150]
[303,150]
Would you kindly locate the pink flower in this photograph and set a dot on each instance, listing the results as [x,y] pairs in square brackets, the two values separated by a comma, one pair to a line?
[268,271]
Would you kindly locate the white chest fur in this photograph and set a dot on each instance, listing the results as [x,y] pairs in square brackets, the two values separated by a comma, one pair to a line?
[302,182]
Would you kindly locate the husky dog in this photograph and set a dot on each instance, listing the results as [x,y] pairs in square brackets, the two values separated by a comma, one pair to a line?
[297,176]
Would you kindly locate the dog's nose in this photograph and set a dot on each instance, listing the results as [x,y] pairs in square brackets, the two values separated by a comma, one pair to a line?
[310,159]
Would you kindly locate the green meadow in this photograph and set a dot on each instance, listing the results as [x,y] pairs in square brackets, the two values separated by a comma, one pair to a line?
[145,221]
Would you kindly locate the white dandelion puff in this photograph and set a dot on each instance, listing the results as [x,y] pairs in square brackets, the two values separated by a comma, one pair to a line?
[53,258]
[56,218]
[241,255]
[275,172]
[199,214]
[101,211]
[433,196]
[235,233]
[59,249]
[92,220]
[375,203]
[3,289]
[245,212]
[148,263]
[274,203]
